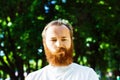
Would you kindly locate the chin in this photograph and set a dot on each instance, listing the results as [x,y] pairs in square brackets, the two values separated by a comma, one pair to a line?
[59,58]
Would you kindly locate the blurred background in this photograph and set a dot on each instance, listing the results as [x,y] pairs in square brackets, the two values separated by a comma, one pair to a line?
[96,25]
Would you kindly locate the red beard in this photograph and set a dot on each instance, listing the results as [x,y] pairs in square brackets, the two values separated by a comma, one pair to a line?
[59,58]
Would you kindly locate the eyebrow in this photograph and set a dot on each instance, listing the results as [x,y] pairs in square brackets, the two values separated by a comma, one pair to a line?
[63,37]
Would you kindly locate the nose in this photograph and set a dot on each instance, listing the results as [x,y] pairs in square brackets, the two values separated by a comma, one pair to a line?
[59,44]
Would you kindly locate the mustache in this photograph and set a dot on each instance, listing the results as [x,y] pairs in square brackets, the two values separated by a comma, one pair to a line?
[60,49]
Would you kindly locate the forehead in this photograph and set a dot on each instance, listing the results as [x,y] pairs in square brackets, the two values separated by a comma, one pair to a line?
[57,30]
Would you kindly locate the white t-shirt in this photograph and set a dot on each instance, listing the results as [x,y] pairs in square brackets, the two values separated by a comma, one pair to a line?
[71,72]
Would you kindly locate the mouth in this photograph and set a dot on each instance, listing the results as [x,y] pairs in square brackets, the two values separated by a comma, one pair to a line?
[61,50]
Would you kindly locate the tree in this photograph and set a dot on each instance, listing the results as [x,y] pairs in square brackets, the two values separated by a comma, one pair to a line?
[95,24]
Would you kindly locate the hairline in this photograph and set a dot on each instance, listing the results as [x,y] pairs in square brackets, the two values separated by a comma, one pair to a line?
[57,23]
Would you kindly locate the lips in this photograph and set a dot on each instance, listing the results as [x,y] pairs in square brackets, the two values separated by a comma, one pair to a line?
[61,51]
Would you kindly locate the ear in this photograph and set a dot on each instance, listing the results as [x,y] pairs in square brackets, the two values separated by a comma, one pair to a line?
[43,41]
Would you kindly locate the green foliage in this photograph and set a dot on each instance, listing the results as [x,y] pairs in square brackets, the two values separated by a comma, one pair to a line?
[96,27]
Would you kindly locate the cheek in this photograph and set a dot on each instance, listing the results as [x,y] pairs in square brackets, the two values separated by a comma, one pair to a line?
[50,46]
[68,44]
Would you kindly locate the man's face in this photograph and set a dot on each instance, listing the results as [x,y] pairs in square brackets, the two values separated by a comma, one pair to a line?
[58,45]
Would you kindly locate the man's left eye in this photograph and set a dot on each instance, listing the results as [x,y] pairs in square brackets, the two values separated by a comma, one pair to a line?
[64,39]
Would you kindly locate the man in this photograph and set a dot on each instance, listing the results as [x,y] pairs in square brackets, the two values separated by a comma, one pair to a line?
[58,44]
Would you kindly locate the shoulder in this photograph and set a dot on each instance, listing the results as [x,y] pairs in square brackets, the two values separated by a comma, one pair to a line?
[35,74]
[80,67]
[84,71]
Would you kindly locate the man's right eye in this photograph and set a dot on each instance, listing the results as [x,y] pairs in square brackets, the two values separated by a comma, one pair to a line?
[53,40]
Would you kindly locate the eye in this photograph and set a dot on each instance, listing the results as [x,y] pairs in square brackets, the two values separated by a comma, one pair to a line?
[64,39]
[53,40]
